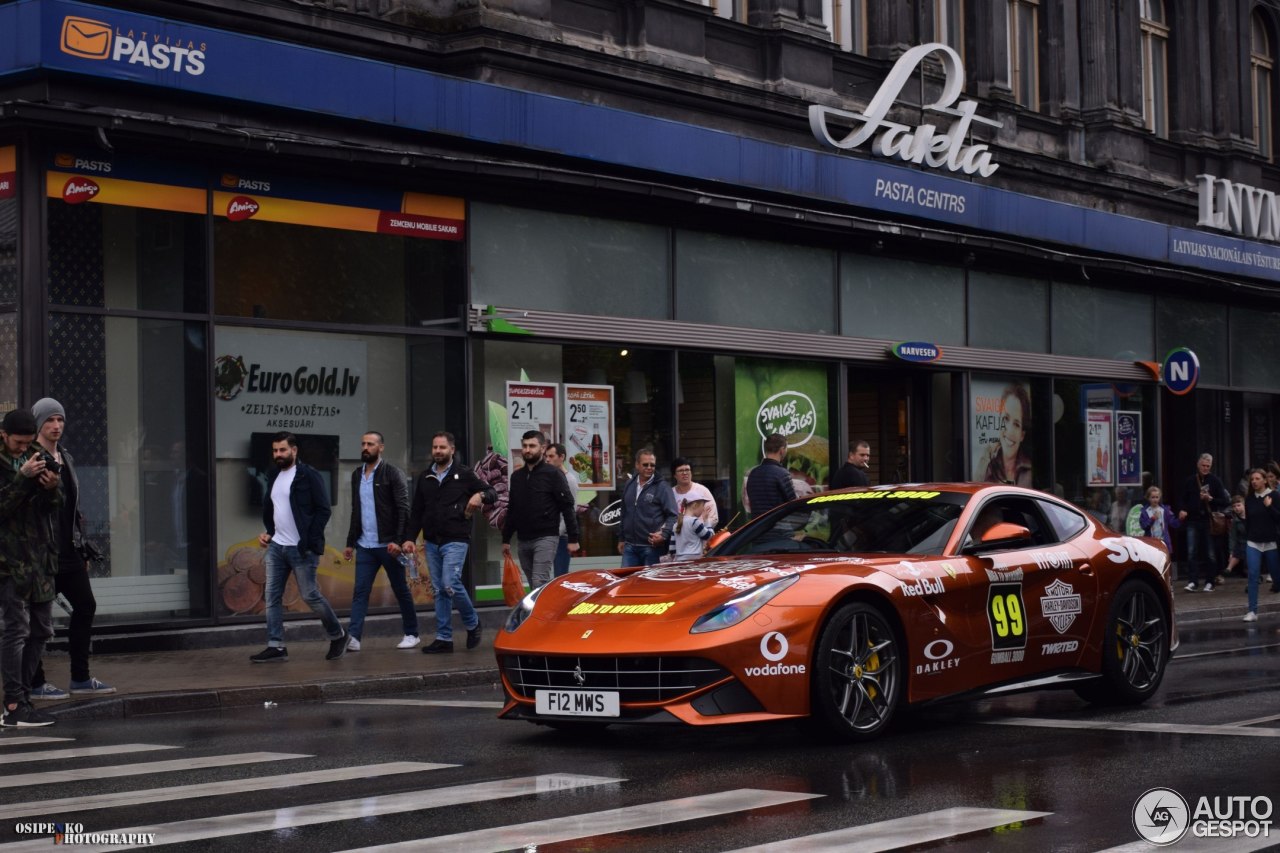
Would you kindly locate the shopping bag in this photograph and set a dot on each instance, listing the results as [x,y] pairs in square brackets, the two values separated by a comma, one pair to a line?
[512,581]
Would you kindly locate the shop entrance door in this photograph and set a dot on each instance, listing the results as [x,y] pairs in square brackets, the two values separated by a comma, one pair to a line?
[906,417]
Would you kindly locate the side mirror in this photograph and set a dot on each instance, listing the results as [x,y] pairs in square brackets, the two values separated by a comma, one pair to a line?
[717,538]
[999,536]
[1005,531]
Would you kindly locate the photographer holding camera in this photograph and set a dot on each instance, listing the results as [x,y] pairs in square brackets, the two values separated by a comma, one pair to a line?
[75,553]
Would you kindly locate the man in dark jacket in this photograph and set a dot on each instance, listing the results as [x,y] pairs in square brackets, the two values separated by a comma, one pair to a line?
[1201,495]
[445,497]
[295,513]
[539,499]
[379,516]
[73,570]
[769,483]
[649,514]
[854,471]
[29,502]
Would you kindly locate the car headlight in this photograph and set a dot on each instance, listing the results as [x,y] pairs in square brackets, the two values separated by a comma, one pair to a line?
[521,611]
[735,610]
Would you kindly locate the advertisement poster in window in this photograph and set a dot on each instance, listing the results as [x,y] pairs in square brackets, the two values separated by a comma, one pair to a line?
[789,399]
[1098,444]
[588,434]
[530,406]
[1000,430]
[268,382]
[1128,448]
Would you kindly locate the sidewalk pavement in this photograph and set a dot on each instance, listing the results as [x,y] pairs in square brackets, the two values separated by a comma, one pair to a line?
[195,679]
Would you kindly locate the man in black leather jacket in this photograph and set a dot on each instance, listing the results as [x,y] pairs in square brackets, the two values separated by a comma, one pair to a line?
[445,496]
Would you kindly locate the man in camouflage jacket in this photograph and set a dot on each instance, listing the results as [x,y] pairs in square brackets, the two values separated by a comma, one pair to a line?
[29,501]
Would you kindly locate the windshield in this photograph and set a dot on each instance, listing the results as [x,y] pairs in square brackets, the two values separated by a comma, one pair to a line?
[877,521]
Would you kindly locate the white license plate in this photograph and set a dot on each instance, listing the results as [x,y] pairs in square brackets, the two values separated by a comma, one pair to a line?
[577,703]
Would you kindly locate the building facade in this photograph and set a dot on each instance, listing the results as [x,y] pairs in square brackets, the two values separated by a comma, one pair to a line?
[968,233]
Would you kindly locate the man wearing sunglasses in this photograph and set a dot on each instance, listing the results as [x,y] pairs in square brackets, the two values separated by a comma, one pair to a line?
[648,514]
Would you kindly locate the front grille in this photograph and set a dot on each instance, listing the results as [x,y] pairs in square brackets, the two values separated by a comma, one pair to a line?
[637,679]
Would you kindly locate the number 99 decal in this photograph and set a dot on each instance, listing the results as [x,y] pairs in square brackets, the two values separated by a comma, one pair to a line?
[1007,616]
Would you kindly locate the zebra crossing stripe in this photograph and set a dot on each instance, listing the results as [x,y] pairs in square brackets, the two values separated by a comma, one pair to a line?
[1157,728]
[211,789]
[26,741]
[51,777]
[901,832]
[530,835]
[81,752]
[426,703]
[363,807]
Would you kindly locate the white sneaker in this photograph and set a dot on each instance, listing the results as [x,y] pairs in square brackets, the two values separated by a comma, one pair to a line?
[408,642]
[1191,587]
[353,645]
[1208,587]
[1250,617]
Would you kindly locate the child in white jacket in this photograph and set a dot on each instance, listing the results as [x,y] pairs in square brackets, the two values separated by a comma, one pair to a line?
[691,534]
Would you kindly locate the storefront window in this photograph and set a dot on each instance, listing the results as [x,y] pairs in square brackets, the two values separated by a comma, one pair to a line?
[106,255]
[1104,439]
[1097,323]
[644,404]
[327,389]
[734,281]
[1200,327]
[897,300]
[297,272]
[1253,364]
[1007,312]
[791,398]
[136,427]
[1006,431]
[574,264]
[705,410]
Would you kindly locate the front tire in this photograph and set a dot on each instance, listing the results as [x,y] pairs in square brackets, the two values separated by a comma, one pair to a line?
[1135,648]
[857,674]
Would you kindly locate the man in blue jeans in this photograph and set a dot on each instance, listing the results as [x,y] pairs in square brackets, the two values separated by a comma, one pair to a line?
[379,514]
[295,513]
[445,496]
[1202,495]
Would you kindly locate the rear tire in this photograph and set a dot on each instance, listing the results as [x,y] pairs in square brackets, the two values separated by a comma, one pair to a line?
[856,685]
[1135,648]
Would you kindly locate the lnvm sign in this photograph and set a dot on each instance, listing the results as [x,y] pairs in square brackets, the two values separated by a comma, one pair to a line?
[1181,371]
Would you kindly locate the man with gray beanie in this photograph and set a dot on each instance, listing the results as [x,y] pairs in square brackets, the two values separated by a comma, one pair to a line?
[72,580]
[29,503]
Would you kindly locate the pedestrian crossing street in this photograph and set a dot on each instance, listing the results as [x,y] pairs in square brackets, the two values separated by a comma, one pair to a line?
[62,761]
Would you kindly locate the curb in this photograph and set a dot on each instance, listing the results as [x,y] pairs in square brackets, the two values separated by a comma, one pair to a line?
[179,701]
[1213,614]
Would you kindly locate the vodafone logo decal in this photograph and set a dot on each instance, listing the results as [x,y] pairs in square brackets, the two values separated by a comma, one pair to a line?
[77,190]
[241,207]
[767,640]
[773,648]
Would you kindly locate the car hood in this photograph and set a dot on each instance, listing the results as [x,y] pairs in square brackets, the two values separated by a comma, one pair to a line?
[675,591]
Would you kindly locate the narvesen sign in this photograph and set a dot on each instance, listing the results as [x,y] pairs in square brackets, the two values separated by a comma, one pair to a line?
[924,144]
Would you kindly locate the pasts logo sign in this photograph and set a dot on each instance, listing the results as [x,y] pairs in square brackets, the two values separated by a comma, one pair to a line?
[89,39]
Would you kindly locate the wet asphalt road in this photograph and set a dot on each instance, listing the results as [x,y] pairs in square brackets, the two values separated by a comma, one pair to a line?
[1039,753]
